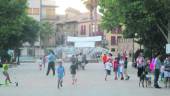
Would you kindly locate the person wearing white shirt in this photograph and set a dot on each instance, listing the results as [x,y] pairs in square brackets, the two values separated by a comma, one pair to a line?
[121,65]
[108,67]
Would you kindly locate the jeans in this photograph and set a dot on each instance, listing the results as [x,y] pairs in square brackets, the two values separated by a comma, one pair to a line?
[51,65]
[156,78]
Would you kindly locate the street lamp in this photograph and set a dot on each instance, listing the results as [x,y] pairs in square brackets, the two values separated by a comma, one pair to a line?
[133,57]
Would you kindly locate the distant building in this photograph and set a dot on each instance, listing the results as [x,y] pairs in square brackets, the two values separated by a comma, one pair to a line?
[40,10]
[118,44]
[74,23]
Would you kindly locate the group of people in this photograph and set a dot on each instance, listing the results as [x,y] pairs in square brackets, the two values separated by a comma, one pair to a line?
[118,65]
[77,61]
[156,66]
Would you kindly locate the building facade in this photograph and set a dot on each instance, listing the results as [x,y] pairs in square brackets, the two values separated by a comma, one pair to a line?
[40,10]
[118,44]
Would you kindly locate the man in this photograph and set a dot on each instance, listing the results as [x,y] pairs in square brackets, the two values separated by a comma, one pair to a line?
[51,62]
[167,71]
[80,60]
[84,61]
[157,70]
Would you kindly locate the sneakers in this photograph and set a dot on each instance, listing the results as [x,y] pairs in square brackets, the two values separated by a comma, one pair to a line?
[157,86]
[127,78]
[122,78]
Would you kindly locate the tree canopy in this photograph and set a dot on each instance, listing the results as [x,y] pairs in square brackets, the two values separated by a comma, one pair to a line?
[15,25]
[148,19]
[47,30]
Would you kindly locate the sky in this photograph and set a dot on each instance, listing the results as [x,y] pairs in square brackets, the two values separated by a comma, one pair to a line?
[63,4]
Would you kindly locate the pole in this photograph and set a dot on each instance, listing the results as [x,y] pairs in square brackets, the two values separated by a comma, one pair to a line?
[133,51]
[169,32]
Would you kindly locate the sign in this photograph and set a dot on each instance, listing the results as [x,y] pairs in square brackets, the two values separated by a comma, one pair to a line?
[84,39]
[167,48]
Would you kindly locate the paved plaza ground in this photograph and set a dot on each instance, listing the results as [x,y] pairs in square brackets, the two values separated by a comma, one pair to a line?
[33,82]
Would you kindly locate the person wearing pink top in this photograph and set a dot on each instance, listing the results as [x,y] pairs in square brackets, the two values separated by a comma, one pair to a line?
[115,67]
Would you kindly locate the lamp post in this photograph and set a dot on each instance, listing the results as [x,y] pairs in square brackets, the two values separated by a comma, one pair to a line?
[133,57]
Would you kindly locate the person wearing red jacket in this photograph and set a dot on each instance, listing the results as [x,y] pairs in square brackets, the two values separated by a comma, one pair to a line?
[104,59]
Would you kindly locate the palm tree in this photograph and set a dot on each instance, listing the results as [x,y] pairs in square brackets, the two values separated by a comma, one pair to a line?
[91,5]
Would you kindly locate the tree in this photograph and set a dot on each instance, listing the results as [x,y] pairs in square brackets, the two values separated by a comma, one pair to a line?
[146,18]
[91,5]
[15,26]
[47,30]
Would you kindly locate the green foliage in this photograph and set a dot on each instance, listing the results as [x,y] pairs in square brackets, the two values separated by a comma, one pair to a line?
[147,18]
[30,30]
[46,31]
[15,26]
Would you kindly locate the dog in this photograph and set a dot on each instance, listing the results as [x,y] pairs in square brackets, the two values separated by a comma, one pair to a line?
[145,79]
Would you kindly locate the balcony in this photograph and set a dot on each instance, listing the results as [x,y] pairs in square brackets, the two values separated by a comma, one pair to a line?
[49,3]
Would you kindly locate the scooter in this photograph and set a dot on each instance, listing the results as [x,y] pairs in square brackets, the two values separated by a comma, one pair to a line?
[10,84]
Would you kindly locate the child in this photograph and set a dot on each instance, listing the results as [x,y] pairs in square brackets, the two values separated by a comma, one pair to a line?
[61,73]
[115,67]
[162,72]
[125,69]
[121,64]
[40,62]
[5,72]
[146,72]
[108,66]
[73,73]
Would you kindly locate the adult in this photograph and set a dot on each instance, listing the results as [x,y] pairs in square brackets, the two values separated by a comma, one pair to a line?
[51,62]
[80,60]
[84,61]
[125,69]
[167,71]
[73,59]
[157,70]
[140,64]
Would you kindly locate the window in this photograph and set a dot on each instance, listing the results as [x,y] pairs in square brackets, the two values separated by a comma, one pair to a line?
[90,30]
[33,11]
[36,11]
[50,12]
[113,40]
[84,33]
[83,30]
[119,39]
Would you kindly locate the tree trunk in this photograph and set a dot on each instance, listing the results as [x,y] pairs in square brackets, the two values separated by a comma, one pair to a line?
[169,32]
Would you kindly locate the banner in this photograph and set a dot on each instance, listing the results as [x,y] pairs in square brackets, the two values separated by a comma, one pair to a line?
[84,39]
